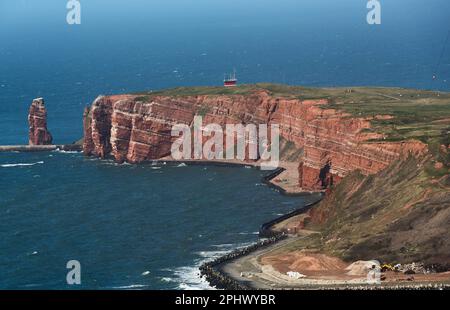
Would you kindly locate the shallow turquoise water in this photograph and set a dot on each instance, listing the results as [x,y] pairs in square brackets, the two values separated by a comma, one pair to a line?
[129,226]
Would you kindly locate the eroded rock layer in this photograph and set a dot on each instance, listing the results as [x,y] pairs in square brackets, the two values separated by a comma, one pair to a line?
[135,128]
[37,120]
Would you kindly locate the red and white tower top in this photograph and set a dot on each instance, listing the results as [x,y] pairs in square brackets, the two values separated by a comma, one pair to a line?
[230,80]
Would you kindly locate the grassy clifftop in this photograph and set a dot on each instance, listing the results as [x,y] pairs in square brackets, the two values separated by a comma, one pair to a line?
[288,91]
[418,114]
[415,114]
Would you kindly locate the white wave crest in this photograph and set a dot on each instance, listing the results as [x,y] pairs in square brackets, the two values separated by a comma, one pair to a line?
[66,152]
[21,164]
[188,277]
[249,233]
[130,287]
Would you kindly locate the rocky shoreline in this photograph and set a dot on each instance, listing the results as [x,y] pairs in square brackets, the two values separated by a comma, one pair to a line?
[212,270]
[216,278]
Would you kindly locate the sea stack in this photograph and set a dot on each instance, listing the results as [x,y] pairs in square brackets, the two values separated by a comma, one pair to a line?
[37,119]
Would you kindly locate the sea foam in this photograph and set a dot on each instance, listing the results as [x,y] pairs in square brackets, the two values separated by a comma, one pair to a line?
[188,277]
[21,164]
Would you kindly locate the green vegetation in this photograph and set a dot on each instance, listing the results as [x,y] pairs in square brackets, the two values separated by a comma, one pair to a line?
[397,215]
[289,151]
[416,114]
[203,111]
[144,98]
[201,91]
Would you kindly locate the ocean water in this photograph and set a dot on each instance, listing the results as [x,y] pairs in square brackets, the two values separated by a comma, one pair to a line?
[150,227]
[129,226]
[143,45]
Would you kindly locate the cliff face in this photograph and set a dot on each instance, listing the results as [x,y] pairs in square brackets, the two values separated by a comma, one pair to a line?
[37,120]
[138,128]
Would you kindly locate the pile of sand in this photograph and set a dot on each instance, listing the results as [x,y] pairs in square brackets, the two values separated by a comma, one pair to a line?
[361,267]
[303,261]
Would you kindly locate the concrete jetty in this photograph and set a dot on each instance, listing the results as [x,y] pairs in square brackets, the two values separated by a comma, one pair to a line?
[40,148]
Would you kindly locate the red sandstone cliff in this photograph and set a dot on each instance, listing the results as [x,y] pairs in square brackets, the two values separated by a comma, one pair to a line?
[134,129]
[37,120]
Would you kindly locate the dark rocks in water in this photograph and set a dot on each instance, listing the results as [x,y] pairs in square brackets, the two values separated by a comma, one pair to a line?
[218,279]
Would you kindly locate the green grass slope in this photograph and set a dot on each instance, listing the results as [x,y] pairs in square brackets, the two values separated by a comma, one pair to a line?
[401,214]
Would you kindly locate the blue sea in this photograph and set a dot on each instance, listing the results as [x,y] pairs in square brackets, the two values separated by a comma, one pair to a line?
[129,226]
[149,227]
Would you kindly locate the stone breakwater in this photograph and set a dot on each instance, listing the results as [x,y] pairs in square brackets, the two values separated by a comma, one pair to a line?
[266,229]
[212,271]
[330,143]
[216,278]
[40,148]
